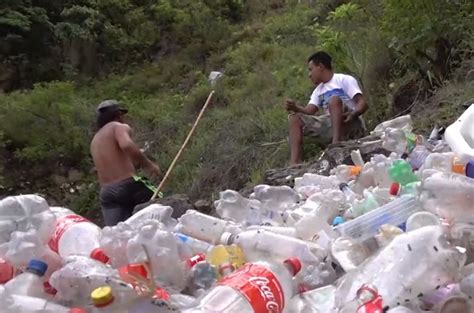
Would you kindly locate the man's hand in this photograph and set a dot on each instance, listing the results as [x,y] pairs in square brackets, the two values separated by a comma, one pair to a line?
[348,117]
[291,105]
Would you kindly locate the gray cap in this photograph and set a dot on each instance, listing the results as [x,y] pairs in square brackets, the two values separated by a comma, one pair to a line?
[110,105]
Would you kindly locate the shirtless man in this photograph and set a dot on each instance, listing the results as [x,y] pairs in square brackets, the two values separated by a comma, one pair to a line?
[115,157]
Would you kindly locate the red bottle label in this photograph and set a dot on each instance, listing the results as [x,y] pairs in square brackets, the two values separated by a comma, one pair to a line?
[259,286]
[373,306]
[62,225]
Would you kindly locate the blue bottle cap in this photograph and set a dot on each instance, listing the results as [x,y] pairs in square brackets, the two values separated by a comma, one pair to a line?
[37,266]
[338,220]
[470,169]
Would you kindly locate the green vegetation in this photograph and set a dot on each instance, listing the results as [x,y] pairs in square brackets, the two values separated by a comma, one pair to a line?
[155,56]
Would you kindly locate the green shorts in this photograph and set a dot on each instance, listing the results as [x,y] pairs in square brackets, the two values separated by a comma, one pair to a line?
[320,128]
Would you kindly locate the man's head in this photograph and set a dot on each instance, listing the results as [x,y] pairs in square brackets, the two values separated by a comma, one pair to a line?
[319,66]
[109,111]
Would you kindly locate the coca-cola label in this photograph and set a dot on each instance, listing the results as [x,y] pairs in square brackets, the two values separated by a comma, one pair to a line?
[259,286]
[62,225]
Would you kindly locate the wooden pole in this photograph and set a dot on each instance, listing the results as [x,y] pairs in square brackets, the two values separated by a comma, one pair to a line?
[182,146]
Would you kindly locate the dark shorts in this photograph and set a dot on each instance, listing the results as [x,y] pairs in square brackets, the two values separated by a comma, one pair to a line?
[119,199]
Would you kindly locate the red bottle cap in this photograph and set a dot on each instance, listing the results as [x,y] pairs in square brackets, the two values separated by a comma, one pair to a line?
[195,259]
[394,189]
[99,255]
[295,264]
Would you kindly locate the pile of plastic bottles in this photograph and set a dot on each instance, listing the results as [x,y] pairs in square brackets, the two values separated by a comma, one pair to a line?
[394,234]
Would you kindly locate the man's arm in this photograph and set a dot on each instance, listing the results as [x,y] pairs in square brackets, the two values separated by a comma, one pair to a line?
[360,107]
[125,142]
[309,109]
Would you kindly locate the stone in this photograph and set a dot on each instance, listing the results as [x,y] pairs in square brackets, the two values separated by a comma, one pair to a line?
[333,155]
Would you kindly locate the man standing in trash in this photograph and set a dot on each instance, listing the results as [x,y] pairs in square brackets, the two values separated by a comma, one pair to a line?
[115,157]
[340,98]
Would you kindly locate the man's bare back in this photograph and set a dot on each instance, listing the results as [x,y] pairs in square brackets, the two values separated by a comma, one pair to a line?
[111,162]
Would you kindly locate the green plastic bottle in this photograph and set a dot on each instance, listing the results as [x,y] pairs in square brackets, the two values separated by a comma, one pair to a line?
[402,172]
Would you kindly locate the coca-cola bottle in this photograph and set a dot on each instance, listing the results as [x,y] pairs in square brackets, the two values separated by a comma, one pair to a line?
[256,287]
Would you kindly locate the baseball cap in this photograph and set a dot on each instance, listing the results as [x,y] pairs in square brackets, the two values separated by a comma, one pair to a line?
[111,105]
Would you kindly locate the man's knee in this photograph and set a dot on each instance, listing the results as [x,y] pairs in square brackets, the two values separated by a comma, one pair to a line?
[295,120]
[335,103]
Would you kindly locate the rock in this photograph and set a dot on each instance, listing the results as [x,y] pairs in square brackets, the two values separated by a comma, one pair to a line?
[333,155]
[204,206]
[179,202]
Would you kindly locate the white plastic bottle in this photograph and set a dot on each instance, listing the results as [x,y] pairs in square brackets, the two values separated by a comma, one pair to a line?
[29,283]
[154,211]
[260,244]
[205,227]
[74,235]
[256,287]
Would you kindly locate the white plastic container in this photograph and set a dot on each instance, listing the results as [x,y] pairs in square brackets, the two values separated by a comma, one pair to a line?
[460,135]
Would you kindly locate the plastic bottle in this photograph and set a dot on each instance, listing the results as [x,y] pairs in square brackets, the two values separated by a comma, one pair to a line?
[24,246]
[313,301]
[411,189]
[256,287]
[231,257]
[449,196]
[395,140]
[276,198]
[460,135]
[7,271]
[79,277]
[367,301]
[310,179]
[205,227]
[104,301]
[232,206]
[348,253]
[154,211]
[421,219]
[23,213]
[402,172]
[402,122]
[29,283]
[412,264]
[196,245]
[260,244]
[159,248]
[359,207]
[418,156]
[113,242]
[27,304]
[74,235]
[347,172]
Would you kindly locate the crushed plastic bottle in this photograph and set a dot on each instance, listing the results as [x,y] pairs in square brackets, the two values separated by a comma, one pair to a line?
[256,287]
[411,265]
[232,206]
[29,283]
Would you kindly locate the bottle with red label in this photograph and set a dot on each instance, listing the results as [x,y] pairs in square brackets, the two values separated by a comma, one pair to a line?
[259,287]
[73,234]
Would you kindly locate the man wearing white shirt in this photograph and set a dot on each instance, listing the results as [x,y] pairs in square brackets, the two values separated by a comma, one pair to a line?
[340,99]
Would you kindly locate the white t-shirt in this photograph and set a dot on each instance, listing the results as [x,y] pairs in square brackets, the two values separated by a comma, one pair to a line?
[341,85]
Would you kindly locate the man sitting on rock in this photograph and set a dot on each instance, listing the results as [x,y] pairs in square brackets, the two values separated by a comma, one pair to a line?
[338,96]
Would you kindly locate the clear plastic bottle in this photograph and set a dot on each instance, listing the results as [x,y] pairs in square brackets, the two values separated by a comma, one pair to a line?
[196,245]
[232,206]
[256,287]
[231,257]
[347,172]
[449,196]
[74,235]
[412,264]
[27,304]
[113,242]
[105,301]
[29,283]
[276,198]
[205,227]
[260,244]
[154,211]
[23,213]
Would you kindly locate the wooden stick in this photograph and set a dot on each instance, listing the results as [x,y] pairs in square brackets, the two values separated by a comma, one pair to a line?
[182,147]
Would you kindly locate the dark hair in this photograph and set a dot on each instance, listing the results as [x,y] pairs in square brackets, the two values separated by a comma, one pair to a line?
[321,57]
[106,116]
